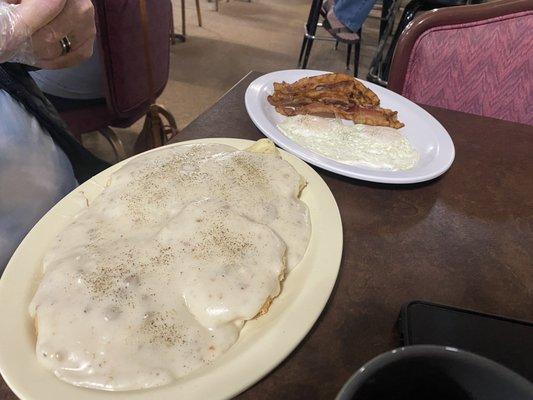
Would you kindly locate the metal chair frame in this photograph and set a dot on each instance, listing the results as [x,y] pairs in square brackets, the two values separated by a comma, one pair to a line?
[180,37]
[310,27]
[380,65]
[388,16]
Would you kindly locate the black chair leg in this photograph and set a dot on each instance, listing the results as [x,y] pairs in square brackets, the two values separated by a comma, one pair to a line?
[312,22]
[307,53]
[356,54]
[302,50]
[336,44]
[348,55]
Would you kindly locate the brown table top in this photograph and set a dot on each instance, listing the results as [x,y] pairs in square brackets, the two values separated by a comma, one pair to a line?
[465,239]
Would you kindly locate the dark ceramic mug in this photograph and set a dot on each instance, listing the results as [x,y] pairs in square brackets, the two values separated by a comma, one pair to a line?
[427,372]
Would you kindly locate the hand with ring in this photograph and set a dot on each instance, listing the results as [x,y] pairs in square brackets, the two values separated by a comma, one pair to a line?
[68,38]
[62,31]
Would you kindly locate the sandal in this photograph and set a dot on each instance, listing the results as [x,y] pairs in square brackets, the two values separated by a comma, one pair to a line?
[327,5]
[338,30]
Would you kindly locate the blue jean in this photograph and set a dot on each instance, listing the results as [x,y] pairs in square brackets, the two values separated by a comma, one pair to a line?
[352,13]
[83,81]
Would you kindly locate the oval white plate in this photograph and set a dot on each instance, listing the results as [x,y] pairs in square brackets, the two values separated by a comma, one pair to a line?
[423,131]
[263,344]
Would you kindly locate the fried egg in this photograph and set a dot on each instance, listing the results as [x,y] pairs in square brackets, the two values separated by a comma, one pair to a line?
[362,145]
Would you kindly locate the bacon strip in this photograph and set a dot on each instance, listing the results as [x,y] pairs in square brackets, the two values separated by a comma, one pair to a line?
[359,115]
[332,95]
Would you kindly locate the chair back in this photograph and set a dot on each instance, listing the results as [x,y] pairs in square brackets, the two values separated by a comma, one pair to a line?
[121,38]
[476,59]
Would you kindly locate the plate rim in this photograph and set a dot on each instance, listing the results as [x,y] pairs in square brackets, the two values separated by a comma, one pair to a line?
[21,389]
[260,119]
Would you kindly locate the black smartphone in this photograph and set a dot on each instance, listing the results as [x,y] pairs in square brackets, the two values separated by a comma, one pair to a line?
[504,340]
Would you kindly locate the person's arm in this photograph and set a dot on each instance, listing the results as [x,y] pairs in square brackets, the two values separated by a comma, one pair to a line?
[31,30]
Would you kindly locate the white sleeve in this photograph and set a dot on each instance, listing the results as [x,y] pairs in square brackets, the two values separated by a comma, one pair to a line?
[35,173]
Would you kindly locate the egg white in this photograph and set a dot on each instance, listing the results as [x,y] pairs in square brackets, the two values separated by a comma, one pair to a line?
[362,145]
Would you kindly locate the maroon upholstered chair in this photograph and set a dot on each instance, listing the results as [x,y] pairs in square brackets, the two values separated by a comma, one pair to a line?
[476,59]
[127,94]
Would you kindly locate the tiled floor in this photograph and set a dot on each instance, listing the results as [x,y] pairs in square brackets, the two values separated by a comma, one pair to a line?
[262,35]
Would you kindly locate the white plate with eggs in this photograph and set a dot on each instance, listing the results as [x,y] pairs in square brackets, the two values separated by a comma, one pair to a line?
[434,147]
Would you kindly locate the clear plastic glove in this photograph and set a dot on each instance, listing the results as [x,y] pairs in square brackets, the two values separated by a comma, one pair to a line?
[15,36]
[31,30]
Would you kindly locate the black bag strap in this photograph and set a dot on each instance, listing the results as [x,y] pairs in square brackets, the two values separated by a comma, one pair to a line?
[15,80]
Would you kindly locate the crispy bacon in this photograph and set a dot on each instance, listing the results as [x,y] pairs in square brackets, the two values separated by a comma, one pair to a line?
[359,115]
[332,95]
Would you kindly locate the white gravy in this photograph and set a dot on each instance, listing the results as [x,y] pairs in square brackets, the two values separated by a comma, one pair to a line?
[157,276]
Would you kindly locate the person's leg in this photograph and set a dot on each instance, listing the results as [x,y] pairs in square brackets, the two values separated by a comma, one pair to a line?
[34,175]
[352,13]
